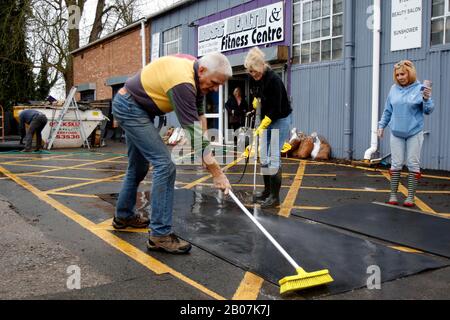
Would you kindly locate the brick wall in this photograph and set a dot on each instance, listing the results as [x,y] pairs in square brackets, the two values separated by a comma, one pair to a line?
[118,56]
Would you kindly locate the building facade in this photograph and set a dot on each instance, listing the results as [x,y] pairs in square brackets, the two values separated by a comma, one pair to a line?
[335,56]
[326,56]
[102,67]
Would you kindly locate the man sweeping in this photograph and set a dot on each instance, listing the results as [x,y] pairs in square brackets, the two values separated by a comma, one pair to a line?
[171,83]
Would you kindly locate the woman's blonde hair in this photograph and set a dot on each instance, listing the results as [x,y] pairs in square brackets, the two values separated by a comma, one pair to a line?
[255,60]
[408,66]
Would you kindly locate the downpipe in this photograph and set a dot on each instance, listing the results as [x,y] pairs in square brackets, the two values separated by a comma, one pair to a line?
[375,80]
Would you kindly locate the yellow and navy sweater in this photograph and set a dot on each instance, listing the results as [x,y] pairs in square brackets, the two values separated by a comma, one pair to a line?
[169,84]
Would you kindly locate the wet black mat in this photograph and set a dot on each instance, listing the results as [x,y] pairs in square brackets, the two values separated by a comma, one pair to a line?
[225,231]
[409,228]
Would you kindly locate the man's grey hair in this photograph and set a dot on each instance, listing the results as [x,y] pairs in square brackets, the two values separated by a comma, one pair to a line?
[216,62]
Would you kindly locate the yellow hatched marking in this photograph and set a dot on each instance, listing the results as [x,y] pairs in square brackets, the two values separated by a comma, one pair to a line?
[419,203]
[202,179]
[27,159]
[149,262]
[249,287]
[79,165]
[310,208]
[345,189]
[78,195]
[432,192]
[289,201]
[84,184]
[405,249]
[56,177]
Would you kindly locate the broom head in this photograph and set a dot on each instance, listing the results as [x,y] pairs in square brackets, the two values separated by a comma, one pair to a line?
[304,280]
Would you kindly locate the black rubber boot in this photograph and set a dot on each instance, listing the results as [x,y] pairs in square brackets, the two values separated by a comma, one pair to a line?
[275,185]
[261,196]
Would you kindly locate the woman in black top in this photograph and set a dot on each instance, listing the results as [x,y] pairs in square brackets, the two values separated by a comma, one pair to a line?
[275,120]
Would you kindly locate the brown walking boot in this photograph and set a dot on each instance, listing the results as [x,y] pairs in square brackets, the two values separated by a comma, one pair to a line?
[136,221]
[170,243]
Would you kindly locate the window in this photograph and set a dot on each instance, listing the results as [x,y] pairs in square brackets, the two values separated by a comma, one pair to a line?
[317,30]
[440,22]
[172,41]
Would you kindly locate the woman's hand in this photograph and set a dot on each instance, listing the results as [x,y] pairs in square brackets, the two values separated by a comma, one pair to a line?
[426,93]
[380,133]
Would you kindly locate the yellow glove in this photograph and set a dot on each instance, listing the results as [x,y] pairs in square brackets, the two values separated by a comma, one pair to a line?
[256,103]
[247,152]
[263,126]
[286,148]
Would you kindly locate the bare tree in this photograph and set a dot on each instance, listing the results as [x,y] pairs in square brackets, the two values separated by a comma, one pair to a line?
[55,31]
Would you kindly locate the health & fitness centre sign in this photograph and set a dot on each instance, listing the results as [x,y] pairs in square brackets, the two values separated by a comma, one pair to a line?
[252,28]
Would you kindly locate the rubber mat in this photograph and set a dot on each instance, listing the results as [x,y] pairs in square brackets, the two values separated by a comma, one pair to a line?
[221,228]
[406,227]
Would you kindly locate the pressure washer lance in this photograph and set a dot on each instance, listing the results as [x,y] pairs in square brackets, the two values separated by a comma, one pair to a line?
[257,122]
[302,279]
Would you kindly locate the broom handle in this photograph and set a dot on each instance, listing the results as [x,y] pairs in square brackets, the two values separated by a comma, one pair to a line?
[267,234]
[256,163]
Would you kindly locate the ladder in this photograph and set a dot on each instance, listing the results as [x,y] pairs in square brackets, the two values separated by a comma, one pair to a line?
[2,124]
[69,104]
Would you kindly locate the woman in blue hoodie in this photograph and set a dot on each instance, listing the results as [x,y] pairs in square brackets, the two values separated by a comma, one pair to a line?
[404,111]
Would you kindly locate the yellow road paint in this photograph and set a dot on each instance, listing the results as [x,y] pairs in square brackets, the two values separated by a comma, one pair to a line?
[78,195]
[309,208]
[149,262]
[405,249]
[432,192]
[289,201]
[419,203]
[345,189]
[56,177]
[249,288]
[84,184]
[202,179]
[80,165]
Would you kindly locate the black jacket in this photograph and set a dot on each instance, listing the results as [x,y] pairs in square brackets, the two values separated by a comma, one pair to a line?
[274,99]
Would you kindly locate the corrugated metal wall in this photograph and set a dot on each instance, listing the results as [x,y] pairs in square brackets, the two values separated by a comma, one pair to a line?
[318,90]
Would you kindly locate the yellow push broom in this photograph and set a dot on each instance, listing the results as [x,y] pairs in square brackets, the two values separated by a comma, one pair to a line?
[302,279]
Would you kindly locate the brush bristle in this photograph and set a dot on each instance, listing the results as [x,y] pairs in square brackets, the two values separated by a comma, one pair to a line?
[303,281]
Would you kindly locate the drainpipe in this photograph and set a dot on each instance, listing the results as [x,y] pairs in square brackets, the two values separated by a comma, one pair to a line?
[375,80]
[144,60]
[349,64]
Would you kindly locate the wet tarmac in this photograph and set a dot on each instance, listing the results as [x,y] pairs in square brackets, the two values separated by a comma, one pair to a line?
[70,198]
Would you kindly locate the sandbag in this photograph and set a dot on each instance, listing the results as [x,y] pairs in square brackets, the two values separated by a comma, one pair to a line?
[325,149]
[305,148]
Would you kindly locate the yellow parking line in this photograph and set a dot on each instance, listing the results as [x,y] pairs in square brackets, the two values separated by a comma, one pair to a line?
[433,192]
[146,260]
[202,179]
[27,159]
[310,208]
[78,195]
[419,203]
[249,287]
[346,189]
[405,249]
[81,165]
[56,177]
[289,201]
[84,184]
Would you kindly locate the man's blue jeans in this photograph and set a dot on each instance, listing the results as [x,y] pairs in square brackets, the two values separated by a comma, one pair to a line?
[145,147]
